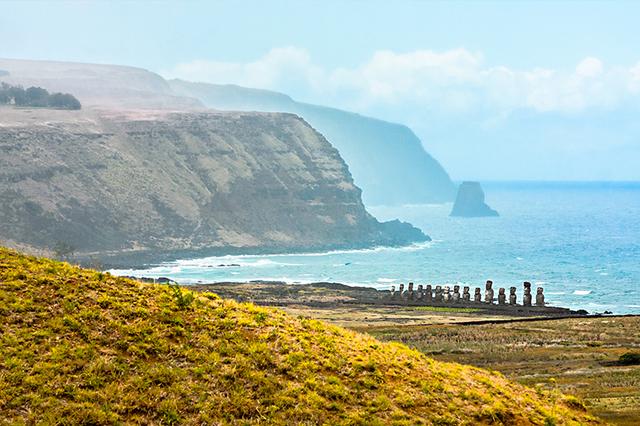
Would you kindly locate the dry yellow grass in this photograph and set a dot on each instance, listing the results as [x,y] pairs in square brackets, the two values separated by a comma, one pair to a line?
[82,347]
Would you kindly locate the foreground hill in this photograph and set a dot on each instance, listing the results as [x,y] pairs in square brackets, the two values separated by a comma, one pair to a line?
[83,347]
[159,181]
[386,159]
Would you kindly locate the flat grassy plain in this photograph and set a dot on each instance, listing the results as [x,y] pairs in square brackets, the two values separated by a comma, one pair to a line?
[577,356]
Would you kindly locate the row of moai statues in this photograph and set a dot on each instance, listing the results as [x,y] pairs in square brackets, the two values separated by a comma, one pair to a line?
[444,294]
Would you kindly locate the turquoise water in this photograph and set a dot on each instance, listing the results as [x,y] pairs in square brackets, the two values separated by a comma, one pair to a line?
[580,241]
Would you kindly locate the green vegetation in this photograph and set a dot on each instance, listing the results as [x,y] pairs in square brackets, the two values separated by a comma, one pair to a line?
[82,347]
[36,97]
[629,358]
[183,298]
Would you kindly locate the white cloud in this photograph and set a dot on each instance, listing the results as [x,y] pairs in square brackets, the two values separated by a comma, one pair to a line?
[451,81]
[279,66]
[634,83]
[589,67]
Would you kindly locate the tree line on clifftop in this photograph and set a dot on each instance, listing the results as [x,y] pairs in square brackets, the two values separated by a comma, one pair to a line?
[36,97]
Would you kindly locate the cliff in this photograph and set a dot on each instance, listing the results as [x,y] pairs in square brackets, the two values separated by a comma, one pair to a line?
[387,160]
[470,202]
[82,347]
[156,181]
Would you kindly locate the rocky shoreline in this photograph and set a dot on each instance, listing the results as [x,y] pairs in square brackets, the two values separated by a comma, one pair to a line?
[331,295]
[143,259]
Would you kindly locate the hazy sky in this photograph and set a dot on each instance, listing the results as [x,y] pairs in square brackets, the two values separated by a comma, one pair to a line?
[496,90]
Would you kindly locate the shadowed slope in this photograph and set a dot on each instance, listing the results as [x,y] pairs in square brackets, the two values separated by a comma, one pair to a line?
[82,346]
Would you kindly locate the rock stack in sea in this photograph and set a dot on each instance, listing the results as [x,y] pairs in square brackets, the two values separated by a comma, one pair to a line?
[470,202]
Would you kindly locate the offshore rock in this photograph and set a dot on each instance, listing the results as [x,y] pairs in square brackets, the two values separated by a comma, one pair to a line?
[470,202]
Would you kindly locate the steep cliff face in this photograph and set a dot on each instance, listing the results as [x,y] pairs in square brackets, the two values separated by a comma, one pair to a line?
[387,160]
[104,181]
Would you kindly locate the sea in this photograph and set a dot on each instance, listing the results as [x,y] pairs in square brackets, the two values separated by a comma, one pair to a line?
[580,241]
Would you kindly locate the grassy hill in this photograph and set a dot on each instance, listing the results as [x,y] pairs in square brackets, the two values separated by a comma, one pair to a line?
[79,346]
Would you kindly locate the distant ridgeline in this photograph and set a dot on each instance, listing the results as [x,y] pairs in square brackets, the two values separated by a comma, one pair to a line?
[36,97]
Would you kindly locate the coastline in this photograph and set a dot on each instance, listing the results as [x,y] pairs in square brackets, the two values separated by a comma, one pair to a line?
[328,296]
[143,259]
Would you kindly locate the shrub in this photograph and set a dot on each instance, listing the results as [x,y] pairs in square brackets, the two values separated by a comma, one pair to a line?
[629,358]
[183,299]
[37,97]
[64,101]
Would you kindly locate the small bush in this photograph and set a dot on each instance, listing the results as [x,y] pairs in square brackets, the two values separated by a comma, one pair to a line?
[183,299]
[629,358]
[575,403]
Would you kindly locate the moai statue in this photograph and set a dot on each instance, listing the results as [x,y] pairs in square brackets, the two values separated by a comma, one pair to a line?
[488,293]
[466,297]
[447,294]
[420,292]
[540,297]
[526,299]
[402,291]
[512,296]
[428,294]
[455,297]
[410,295]
[477,295]
[502,298]
[438,296]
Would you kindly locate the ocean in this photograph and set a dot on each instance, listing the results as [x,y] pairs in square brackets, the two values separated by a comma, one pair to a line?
[580,241]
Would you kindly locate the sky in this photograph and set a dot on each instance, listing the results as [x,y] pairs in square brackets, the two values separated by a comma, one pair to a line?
[495,90]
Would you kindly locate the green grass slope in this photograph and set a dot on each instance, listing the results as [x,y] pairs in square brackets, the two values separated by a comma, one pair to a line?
[82,347]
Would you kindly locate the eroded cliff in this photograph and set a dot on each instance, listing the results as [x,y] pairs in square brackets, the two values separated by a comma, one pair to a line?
[156,181]
[387,159]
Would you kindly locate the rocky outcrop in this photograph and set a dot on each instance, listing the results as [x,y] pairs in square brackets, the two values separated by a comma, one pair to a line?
[386,159]
[470,202]
[158,181]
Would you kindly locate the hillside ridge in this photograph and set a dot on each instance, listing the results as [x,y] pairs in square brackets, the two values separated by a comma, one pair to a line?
[82,346]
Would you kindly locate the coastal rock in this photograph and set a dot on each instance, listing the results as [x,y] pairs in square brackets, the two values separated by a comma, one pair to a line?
[470,202]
